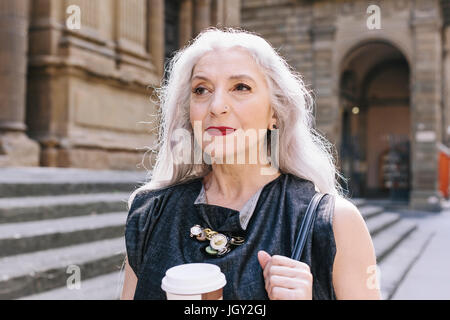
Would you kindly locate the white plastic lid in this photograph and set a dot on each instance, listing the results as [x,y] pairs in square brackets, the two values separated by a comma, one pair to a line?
[193,278]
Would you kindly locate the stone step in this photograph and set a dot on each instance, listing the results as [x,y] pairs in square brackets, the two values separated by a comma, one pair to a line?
[389,204]
[43,189]
[37,272]
[395,267]
[105,287]
[24,182]
[370,211]
[386,241]
[52,207]
[380,222]
[23,237]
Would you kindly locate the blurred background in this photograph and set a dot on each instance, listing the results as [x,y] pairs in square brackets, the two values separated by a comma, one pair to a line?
[78,119]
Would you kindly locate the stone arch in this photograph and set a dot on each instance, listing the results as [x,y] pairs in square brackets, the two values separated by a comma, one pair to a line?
[363,142]
[346,49]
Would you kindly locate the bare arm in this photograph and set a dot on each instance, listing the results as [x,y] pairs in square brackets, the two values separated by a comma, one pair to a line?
[354,268]
[129,284]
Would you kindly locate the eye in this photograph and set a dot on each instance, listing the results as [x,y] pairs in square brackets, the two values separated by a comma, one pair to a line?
[196,90]
[241,85]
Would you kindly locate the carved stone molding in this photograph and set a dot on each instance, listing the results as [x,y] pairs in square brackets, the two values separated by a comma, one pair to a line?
[131,28]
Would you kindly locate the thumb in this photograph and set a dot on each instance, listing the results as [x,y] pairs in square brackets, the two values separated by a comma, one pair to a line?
[263,258]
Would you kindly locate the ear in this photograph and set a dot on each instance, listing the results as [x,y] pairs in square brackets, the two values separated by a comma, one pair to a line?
[273,124]
[273,120]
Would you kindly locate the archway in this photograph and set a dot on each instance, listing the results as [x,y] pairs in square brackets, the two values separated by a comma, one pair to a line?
[376,126]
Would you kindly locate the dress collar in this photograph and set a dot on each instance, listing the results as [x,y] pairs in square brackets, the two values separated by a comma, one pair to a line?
[244,214]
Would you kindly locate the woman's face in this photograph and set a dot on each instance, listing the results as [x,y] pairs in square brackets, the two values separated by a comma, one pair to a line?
[228,89]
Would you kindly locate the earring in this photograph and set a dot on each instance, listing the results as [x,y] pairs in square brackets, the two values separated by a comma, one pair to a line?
[274,126]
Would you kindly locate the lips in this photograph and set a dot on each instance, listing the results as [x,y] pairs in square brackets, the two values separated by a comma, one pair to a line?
[220,131]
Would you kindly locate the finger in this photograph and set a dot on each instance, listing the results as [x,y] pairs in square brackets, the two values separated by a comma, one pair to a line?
[263,258]
[288,272]
[267,286]
[267,269]
[292,272]
[286,282]
[279,293]
[278,260]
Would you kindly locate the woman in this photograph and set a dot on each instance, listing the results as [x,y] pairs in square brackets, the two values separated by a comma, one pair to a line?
[224,84]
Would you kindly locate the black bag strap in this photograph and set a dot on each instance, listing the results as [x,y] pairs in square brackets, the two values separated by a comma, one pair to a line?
[307,223]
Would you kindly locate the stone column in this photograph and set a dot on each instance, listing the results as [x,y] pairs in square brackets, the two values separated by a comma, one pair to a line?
[155,34]
[16,149]
[446,89]
[426,105]
[202,15]
[323,36]
[231,13]
[186,22]
[218,13]
[226,13]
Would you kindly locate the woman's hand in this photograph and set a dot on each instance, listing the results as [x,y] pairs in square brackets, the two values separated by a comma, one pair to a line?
[285,278]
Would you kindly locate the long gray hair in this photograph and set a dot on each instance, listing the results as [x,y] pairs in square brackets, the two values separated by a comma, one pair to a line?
[303,151]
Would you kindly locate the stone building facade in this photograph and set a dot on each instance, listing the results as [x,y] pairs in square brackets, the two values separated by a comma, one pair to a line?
[379,70]
[381,77]
[80,97]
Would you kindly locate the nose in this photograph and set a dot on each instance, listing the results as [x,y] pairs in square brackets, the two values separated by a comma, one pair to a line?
[219,104]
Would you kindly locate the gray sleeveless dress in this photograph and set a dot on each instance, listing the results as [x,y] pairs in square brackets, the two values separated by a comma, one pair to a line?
[157,235]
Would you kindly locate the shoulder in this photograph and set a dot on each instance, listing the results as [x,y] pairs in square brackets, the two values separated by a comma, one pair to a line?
[145,210]
[140,200]
[355,253]
[300,186]
[343,206]
[145,196]
[347,217]
[352,237]
[295,179]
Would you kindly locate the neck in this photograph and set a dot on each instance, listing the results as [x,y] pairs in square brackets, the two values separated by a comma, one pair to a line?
[229,182]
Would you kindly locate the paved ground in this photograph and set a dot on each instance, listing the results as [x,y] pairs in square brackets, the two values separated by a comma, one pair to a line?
[429,278]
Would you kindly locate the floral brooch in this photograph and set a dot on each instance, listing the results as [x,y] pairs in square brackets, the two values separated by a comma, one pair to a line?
[219,243]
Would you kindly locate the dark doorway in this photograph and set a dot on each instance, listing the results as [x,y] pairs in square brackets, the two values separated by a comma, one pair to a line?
[374,101]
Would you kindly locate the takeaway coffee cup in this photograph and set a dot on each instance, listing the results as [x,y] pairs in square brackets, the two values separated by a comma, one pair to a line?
[194,281]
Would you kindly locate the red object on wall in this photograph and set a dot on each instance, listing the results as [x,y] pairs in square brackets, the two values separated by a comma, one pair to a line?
[444,172]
